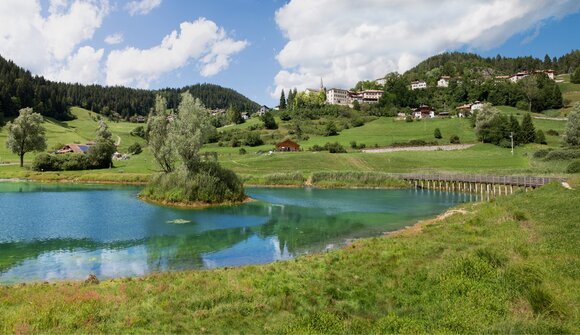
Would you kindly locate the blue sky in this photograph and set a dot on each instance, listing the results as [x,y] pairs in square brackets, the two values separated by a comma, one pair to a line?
[262,47]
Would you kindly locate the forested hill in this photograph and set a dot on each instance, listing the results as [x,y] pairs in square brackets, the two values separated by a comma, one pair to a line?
[19,89]
[464,64]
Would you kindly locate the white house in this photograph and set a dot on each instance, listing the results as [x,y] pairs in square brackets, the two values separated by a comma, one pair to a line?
[263,110]
[476,105]
[245,116]
[337,96]
[418,84]
[519,76]
[371,96]
[423,112]
[549,73]
[443,81]
[381,81]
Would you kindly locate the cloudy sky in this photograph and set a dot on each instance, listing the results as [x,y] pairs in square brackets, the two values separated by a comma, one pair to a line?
[260,47]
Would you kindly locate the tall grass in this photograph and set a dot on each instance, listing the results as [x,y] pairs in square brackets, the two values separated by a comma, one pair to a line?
[276,179]
[356,179]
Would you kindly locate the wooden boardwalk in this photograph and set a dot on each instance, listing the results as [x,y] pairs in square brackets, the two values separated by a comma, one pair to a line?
[522,181]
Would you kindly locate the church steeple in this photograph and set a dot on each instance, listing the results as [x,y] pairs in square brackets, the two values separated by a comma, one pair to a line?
[321,85]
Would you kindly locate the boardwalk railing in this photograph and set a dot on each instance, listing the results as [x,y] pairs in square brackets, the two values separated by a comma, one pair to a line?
[523,181]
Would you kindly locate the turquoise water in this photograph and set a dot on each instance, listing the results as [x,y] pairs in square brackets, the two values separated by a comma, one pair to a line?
[52,232]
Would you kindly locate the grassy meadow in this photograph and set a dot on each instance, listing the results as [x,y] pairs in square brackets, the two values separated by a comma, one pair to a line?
[505,266]
[380,132]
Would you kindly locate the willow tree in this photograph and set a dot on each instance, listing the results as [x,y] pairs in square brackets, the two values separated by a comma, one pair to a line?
[158,139]
[189,130]
[26,134]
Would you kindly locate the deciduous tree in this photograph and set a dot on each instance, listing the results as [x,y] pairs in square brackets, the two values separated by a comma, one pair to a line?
[572,135]
[190,130]
[158,126]
[26,134]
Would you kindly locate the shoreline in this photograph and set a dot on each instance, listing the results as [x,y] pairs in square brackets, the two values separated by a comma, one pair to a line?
[193,204]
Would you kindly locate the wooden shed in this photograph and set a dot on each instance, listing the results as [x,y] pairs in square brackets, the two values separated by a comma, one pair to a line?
[287,145]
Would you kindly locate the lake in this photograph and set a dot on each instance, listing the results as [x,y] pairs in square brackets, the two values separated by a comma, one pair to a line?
[53,231]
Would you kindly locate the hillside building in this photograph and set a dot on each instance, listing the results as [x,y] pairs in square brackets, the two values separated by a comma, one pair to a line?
[337,96]
[443,81]
[418,84]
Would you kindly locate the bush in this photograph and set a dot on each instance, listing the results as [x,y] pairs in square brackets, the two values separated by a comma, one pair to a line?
[243,151]
[540,138]
[573,167]
[74,162]
[330,129]
[505,143]
[357,122]
[354,145]
[437,133]
[522,105]
[408,118]
[253,139]
[454,139]
[317,147]
[563,154]
[269,122]
[552,132]
[135,149]
[211,183]
[66,162]
[412,143]
[234,143]
[45,162]
[541,153]
[335,148]
[138,131]
[285,116]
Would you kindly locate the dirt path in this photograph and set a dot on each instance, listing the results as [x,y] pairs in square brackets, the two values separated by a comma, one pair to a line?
[422,148]
[550,118]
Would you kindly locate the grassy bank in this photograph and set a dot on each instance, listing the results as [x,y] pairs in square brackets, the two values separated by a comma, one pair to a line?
[507,266]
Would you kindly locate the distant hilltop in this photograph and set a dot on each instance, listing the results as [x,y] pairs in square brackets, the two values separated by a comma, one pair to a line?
[20,89]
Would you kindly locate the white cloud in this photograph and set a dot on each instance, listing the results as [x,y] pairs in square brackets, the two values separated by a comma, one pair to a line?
[46,45]
[82,67]
[142,7]
[201,40]
[114,39]
[345,41]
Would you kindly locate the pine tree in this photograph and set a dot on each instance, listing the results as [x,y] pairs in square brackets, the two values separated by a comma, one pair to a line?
[290,99]
[575,77]
[282,100]
[515,129]
[437,133]
[528,129]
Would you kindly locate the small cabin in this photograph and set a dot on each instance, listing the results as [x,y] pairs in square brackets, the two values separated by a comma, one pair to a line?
[287,145]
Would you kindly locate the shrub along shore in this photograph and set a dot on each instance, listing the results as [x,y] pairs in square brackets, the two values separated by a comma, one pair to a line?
[505,266]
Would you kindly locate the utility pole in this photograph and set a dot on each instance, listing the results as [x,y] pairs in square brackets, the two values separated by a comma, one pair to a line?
[512,138]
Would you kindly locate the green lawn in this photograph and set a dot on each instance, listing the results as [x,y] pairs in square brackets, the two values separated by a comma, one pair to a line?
[506,266]
[381,132]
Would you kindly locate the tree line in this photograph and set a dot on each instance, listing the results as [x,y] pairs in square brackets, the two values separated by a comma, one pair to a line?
[456,64]
[20,89]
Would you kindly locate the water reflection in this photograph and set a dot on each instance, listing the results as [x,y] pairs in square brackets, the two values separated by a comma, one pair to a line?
[50,232]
